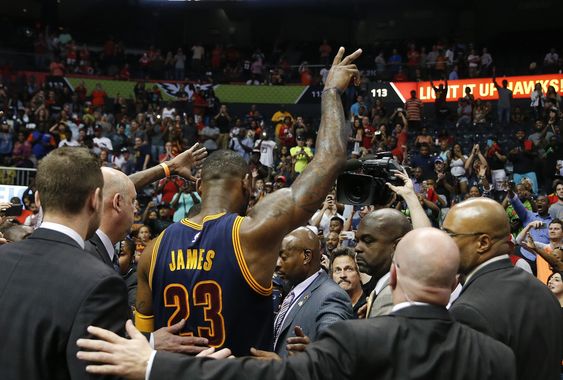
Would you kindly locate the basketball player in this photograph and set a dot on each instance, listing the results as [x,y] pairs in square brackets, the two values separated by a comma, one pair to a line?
[215,269]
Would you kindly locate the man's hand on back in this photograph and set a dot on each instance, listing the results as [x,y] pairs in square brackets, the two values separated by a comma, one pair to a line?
[169,339]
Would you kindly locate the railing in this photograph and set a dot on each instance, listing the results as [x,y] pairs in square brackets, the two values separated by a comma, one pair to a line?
[16,176]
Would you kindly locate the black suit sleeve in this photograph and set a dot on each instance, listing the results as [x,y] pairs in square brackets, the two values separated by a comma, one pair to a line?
[331,358]
[105,306]
[470,316]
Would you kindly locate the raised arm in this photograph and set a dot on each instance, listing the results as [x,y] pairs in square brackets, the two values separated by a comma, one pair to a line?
[467,164]
[281,212]
[482,158]
[522,235]
[518,207]
[418,216]
[180,165]
[553,258]
[495,83]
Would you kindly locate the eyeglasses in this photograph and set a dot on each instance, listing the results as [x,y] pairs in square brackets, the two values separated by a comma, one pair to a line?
[454,234]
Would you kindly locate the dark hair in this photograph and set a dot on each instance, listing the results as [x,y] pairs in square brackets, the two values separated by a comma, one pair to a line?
[342,251]
[338,219]
[66,177]
[557,183]
[556,221]
[553,274]
[129,244]
[223,164]
[424,145]
[148,227]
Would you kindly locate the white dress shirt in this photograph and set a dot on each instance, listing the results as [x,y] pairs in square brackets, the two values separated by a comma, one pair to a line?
[298,290]
[107,244]
[403,305]
[64,230]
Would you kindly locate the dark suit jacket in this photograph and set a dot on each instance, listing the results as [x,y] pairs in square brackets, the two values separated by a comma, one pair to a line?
[418,342]
[50,291]
[515,308]
[96,248]
[319,306]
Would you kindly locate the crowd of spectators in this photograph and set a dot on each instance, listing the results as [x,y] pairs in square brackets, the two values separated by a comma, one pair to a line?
[462,151]
[59,53]
[457,153]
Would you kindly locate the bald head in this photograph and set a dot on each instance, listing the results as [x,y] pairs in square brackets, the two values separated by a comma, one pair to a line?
[425,272]
[377,235]
[114,182]
[393,223]
[305,238]
[480,215]
[480,229]
[118,204]
[299,255]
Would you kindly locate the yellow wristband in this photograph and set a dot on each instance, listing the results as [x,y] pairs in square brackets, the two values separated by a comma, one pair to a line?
[166,169]
[145,323]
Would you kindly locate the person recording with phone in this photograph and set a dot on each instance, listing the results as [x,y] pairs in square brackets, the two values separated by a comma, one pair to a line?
[184,200]
[5,211]
[542,215]
[496,159]
[549,256]
[301,155]
[323,216]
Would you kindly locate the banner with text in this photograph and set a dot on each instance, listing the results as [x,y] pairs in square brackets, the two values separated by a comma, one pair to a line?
[481,88]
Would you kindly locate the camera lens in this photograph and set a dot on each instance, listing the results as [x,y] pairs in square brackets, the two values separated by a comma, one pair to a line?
[356,193]
[354,189]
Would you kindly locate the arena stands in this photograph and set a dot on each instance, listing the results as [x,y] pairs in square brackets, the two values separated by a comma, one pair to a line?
[461,116]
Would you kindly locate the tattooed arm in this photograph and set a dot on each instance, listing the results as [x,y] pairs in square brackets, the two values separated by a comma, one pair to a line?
[286,209]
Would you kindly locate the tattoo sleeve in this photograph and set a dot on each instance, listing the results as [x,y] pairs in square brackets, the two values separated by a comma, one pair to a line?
[311,187]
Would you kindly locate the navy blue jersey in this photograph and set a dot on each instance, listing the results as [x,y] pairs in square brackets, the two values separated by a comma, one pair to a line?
[198,273]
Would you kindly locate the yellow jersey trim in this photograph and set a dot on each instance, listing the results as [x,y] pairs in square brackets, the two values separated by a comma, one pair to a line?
[242,262]
[154,256]
[197,226]
[145,323]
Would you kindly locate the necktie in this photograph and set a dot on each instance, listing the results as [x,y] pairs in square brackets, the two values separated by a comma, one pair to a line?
[286,304]
[115,263]
[371,300]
